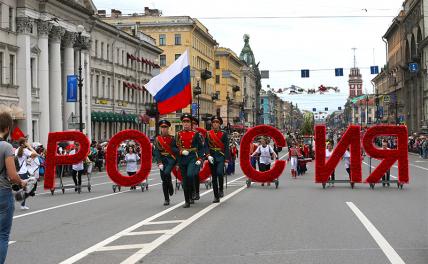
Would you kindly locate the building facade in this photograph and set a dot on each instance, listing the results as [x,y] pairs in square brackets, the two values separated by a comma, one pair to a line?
[174,35]
[228,83]
[44,42]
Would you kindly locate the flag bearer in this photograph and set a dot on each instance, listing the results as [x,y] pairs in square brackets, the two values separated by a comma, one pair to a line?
[189,151]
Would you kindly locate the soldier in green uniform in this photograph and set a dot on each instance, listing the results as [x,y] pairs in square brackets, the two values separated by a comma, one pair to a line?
[218,155]
[165,158]
[189,150]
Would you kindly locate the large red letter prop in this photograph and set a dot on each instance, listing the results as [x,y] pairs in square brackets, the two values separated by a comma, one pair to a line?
[52,159]
[388,156]
[111,158]
[323,170]
[204,173]
[246,142]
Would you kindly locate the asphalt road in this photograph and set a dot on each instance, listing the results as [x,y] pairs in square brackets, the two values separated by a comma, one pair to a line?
[300,222]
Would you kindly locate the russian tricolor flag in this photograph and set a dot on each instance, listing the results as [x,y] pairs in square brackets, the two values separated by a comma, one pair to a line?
[171,89]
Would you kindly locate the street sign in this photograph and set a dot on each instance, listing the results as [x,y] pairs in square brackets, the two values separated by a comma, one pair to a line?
[314,109]
[72,88]
[305,73]
[338,72]
[386,99]
[75,125]
[374,69]
[413,67]
[194,109]
[264,74]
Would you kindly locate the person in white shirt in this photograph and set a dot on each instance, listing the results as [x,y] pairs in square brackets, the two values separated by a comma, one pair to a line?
[33,166]
[23,152]
[328,153]
[386,177]
[266,155]
[131,159]
[347,159]
[76,170]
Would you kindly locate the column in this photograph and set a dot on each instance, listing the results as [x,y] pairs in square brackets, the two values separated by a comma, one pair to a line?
[69,107]
[55,97]
[23,72]
[43,29]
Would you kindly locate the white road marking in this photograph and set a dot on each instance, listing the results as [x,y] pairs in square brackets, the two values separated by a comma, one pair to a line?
[392,176]
[11,242]
[73,203]
[146,221]
[152,232]
[419,167]
[165,222]
[122,247]
[387,249]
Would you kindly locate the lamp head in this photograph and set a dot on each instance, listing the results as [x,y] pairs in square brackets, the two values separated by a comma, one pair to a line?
[80,29]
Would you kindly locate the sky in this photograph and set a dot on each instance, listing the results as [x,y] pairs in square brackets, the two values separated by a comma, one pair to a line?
[284,46]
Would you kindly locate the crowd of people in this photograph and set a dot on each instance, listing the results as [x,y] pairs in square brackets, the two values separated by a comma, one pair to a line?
[419,144]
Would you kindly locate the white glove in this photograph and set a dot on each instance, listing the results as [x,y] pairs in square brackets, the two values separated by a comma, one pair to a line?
[185,152]
[226,164]
[211,159]
[198,163]
[160,167]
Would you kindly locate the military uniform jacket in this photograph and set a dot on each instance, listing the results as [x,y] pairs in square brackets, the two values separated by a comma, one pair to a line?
[163,148]
[218,144]
[191,141]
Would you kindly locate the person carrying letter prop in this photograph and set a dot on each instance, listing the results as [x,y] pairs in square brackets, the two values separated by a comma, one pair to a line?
[218,155]
[165,158]
[189,150]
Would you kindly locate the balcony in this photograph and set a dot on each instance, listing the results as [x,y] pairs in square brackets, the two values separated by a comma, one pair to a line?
[206,74]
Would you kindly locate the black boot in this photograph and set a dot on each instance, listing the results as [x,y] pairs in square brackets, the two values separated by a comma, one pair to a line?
[216,200]
[197,196]
[221,194]
[166,203]
[171,189]
[186,205]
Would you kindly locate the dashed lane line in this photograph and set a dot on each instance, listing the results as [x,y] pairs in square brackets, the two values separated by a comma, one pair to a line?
[11,242]
[147,248]
[73,203]
[387,249]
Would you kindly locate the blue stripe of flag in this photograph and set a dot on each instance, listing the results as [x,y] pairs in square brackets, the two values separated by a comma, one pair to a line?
[175,86]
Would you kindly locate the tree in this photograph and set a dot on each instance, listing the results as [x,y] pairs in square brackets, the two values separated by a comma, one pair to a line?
[308,124]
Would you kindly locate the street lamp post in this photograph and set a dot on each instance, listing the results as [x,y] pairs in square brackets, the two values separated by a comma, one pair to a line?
[197,91]
[254,114]
[228,99]
[367,110]
[80,45]
[396,106]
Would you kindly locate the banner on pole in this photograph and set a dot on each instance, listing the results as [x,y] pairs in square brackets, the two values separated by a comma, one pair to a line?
[72,88]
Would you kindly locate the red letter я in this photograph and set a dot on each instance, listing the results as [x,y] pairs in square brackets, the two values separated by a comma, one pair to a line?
[52,159]
[388,156]
[246,141]
[146,159]
[351,138]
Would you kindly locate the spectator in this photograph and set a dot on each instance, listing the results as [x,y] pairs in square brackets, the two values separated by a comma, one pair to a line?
[8,176]
[22,154]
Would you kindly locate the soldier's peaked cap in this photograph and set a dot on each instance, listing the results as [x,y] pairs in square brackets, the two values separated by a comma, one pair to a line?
[164,123]
[186,116]
[217,118]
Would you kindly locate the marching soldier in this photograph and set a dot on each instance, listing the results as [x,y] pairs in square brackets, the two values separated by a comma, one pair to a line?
[189,152]
[218,155]
[165,158]
[203,134]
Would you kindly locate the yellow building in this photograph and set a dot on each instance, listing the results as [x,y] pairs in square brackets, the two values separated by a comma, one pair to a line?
[228,84]
[175,34]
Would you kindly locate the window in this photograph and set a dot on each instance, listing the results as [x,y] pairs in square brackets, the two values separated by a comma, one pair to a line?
[118,89]
[11,28]
[177,56]
[123,57]
[217,79]
[97,85]
[1,17]
[162,40]
[96,48]
[102,50]
[1,67]
[177,39]
[217,65]
[11,69]
[103,83]
[108,95]
[32,70]
[162,59]
[108,52]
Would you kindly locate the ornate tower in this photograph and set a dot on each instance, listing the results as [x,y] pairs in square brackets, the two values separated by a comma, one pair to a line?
[355,80]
